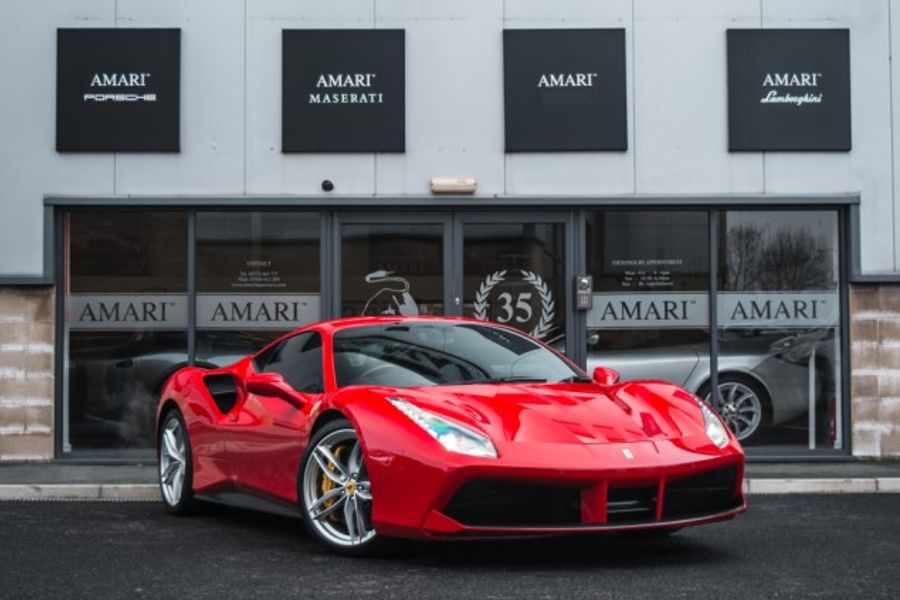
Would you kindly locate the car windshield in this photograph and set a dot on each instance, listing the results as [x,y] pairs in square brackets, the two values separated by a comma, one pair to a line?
[436,353]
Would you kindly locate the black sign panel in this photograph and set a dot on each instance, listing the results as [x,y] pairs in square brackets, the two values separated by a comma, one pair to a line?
[564,89]
[343,90]
[789,89]
[118,89]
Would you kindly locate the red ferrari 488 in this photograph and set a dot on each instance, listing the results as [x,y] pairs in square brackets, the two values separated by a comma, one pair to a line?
[441,428]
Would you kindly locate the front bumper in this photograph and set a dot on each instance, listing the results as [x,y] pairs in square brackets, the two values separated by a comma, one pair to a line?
[438,527]
[663,485]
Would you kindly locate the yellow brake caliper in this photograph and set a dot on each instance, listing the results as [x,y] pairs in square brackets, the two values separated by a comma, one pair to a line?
[327,485]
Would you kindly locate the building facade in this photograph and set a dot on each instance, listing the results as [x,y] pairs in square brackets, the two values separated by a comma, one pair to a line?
[700,191]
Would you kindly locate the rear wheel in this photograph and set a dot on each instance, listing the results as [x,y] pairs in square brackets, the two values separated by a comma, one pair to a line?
[335,493]
[176,474]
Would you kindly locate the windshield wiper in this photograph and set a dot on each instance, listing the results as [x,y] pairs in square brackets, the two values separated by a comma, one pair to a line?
[518,379]
[576,379]
[510,379]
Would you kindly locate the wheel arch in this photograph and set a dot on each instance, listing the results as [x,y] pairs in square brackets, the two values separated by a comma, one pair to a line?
[327,416]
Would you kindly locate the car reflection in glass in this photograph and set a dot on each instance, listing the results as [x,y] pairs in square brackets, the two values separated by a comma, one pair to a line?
[115,378]
[766,377]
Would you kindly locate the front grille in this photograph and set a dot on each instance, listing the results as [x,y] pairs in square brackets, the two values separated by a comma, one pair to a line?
[490,502]
[631,504]
[703,494]
[500,503]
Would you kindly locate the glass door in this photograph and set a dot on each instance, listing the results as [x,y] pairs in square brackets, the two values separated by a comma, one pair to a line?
[393,265]
[513,270]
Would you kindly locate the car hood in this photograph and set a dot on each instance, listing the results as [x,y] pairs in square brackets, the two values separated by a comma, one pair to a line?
[564,413]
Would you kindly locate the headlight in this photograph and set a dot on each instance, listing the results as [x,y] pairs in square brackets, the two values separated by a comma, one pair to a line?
[713,425]
[452,436]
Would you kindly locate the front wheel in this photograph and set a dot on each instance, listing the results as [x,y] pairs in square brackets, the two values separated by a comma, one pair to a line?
[335,493]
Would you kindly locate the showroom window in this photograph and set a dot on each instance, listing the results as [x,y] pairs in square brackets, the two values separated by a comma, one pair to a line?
[777,308]
[145,292]
[127,307]
[257,278]
[779,327]
[650,315]
[125,324]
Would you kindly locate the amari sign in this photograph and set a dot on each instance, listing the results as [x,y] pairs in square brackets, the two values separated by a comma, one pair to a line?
[343,91]
[102,312]
[745,310]
[256,311]
[777,310]
[789,89]
[564,89]
[653,310]
[118,90]
[99,312]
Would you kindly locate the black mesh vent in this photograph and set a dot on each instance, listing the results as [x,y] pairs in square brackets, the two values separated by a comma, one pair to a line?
[707,493]
[489,502]
[631,504]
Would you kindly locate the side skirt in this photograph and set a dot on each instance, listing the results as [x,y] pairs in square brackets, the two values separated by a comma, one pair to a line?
[251,499]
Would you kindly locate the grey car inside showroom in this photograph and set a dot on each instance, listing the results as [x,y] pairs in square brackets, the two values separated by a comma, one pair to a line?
[703,193]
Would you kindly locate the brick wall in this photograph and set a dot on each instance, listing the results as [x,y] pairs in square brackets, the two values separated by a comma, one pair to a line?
[26,373]
[875,370]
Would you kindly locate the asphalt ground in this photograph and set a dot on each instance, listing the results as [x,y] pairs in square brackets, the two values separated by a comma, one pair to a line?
[791,546]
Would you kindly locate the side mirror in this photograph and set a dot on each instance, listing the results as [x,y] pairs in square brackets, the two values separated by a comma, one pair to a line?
[606,376]
[273,385]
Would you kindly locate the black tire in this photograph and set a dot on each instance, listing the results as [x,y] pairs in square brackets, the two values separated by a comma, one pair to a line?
[185,503]
[328,530]
[748,383]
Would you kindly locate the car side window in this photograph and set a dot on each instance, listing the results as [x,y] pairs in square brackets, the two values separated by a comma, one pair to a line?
[299,360]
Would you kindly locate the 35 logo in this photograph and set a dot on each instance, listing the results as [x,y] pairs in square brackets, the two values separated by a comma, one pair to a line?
[517,308]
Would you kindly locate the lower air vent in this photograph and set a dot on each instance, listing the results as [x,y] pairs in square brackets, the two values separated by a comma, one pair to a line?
[707,493]
[631,504]
[494,503]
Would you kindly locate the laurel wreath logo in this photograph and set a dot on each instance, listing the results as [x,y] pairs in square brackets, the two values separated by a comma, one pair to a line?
[548,306]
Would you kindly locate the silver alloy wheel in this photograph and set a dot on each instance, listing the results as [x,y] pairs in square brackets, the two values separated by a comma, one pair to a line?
[172,468]
[740,407]
[337,494]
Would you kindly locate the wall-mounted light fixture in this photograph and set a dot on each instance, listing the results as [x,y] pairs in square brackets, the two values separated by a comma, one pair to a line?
[453,185]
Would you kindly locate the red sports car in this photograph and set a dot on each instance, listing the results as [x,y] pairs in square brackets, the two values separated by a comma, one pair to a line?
[441,428]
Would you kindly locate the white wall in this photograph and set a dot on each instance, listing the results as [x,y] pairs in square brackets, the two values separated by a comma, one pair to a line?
[231,95]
